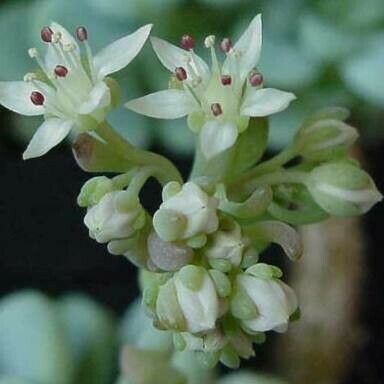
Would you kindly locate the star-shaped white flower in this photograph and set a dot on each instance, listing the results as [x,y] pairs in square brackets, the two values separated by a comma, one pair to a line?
[71,93]
[218,101]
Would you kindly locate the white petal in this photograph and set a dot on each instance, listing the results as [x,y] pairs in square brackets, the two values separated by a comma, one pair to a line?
[168,104]
[99,97]
[200,308]
[216,137]
[173,57]
[264,102]
[120,53]
[248,48]
[51,57]
[15,95]
[48,135]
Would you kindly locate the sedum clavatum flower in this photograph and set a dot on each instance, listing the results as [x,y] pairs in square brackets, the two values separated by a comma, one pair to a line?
[220,100]
[203,272]
[71,93]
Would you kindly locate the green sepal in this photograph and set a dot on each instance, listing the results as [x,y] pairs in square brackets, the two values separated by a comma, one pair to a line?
[265,271]
[222,283]
[192,277]
[230,358]
[241,305]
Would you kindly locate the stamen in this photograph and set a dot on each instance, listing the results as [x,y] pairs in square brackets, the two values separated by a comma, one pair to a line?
[82,33]
[226,80]
[29,77]
[187,42]
[56,37]
[216,109]
[255,79]
[46,34]
[181,74]
[33,53]
[226,45]
[209,41]
[61,71]
[37,98]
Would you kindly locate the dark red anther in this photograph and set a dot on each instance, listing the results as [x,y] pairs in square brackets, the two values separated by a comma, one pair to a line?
[61,71]
[187,42]
[226,45]
[256,79]
[46,34]
[82,33]
[216,109]
[180,74]
[37,98]
[226,80]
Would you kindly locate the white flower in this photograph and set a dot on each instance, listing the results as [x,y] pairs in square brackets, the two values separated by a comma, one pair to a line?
[69,94]
[226,244]
[274,301]
[219,101]
[187,213]
[188,302]
[112,218]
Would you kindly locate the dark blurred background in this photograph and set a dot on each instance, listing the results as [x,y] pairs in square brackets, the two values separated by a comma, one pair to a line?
[327,52]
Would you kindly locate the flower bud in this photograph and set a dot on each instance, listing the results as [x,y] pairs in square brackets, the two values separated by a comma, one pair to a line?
[212,341]
[93,190]
[226,244]
[342,189]
[117,215]
[168,256]
[185,214]
[324,139]
[188,302]
[270,300]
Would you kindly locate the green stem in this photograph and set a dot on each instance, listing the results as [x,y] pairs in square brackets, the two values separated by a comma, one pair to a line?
[269,165]
[162,168]
[279,177]
[215,168]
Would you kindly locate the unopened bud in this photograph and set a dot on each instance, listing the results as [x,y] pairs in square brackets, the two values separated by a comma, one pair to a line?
[342,189]
[325,139]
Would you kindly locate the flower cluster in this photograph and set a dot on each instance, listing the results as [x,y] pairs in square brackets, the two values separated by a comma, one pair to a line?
[199,253]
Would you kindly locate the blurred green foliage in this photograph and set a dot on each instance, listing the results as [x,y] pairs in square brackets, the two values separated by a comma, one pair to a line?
[75,340]
[326,51]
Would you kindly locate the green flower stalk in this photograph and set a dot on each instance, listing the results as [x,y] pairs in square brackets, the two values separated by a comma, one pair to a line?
[200,254]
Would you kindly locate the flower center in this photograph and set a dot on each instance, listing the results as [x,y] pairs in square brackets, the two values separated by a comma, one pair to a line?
[69,78]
